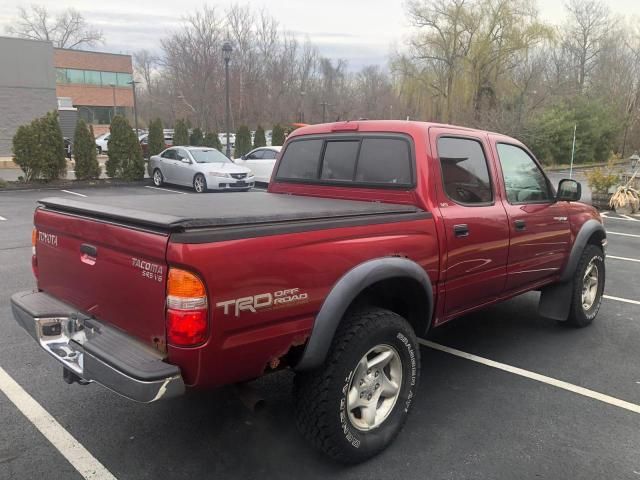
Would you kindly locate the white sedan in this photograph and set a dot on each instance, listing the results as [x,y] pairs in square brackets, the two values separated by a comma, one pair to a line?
[199,167]
[261,161]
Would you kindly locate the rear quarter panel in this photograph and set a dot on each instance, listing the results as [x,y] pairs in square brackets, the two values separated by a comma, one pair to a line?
[240,347]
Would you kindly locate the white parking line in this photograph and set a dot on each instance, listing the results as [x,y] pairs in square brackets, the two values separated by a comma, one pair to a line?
[73,193]
[2,219]
[166,190]
[616,402]
[78,456]
[619,299]
[624,218]
[623,258]
[623,234]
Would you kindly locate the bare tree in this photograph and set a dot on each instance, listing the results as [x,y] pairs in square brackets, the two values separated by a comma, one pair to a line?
[68,29]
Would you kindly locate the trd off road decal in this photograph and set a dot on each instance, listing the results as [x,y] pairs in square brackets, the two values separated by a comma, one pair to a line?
[262,301]
[149,270]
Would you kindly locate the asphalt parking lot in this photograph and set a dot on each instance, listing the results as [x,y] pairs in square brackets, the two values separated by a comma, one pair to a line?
[504,394]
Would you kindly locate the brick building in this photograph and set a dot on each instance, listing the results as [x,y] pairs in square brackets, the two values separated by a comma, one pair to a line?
[95,82]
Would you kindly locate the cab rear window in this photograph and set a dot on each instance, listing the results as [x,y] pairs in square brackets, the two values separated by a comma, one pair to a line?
[362,160]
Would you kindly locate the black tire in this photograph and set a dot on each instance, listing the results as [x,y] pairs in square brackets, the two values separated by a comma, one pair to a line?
[579,316]
[196,186]
[99,150]
[157,177]
[321,396]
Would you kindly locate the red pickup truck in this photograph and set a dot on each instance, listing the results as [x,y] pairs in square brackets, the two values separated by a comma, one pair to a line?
[371,233]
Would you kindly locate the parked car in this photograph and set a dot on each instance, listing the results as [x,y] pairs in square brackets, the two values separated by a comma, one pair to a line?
[223,139]
[371,233]
[201,168]
[261,162]
[102,143]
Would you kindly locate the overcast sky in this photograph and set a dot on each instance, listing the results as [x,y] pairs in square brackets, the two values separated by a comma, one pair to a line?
[360,31]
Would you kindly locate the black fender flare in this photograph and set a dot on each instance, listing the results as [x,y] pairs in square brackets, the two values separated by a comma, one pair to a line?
[555,299]
[586,231]
[345,291]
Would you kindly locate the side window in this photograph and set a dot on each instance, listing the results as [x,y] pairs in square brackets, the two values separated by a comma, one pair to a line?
[384,160]
[523,179]
[269,154]
[182,154]
[465,173]
[255,155]
[170,154]
[301,160]
[339,160]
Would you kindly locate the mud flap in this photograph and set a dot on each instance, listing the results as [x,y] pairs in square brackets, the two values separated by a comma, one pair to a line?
[555,301]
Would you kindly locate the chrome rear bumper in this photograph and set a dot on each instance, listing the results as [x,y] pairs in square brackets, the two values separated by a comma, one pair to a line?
[94,351]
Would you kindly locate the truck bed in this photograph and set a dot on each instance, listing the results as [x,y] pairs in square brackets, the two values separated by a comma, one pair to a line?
[181,213]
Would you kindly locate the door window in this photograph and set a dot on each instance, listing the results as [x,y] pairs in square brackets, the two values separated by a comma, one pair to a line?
[257,155]
[523,179]
[169,154]
[465,173]
[269,154]
[182,155]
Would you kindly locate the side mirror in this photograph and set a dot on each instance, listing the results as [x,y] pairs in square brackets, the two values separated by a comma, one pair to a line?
[243,157]
[569,190]
[186,160]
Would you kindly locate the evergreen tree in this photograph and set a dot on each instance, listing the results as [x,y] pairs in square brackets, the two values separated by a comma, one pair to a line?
[181,134]
[51,147]
[156,137]
[212,140]
[259,140]
[84,152]
[24,152]
[243,141]
[195,139]
[277,138]
[125,156]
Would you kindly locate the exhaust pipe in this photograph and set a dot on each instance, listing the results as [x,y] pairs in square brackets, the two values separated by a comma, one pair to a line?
[249,397]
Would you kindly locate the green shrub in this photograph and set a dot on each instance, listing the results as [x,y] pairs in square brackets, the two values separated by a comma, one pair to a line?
[156,137]
[125,156]
[181,134]
[259,140]
[84,152]
[277,137]
[3,183]
[601,180]
[243,141]
[212,140]
[38,149]
[196,137]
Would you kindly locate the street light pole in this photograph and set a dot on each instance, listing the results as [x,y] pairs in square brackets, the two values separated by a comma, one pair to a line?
[324,110]
[135,105]
[226,51]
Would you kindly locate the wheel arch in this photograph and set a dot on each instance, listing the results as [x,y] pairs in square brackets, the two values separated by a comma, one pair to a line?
[395,283]
[591,232]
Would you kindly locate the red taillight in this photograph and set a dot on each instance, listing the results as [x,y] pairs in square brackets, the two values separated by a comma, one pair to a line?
[186,327]
[34,258]
[187,313]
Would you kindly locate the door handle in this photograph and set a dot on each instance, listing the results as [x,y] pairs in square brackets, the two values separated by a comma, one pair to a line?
[461,230]
[520,225]
[89,250]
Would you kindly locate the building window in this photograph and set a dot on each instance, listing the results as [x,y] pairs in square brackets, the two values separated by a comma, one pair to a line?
[124,79]
[99,115]
[109,78]
[92,77]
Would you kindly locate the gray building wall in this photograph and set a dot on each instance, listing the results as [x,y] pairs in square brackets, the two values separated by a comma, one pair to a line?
[27,85]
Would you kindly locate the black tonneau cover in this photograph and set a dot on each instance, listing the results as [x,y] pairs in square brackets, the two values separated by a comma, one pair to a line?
[179,213]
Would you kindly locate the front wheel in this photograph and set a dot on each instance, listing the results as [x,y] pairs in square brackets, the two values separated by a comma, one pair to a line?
[158,179]
[355,404]
[588,287]
[200,183]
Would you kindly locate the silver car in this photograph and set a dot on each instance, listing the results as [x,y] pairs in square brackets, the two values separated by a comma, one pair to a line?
[199,167]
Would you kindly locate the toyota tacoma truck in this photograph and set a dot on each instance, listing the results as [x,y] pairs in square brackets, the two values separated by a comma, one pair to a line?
[370,234]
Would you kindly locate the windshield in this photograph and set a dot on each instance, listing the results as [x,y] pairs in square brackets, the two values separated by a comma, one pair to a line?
[209,156]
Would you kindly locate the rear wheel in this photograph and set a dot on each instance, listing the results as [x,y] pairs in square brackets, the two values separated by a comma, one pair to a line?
[353,406]
[200,183]
[588,287]
[158,179]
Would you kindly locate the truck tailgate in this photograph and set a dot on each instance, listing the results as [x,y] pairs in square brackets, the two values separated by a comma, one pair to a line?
[114,273]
